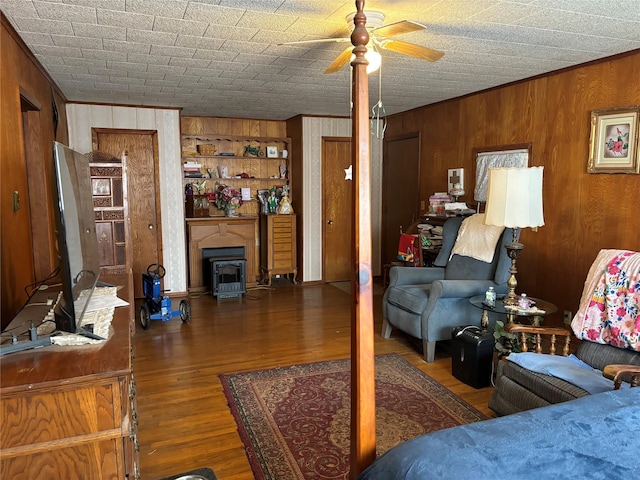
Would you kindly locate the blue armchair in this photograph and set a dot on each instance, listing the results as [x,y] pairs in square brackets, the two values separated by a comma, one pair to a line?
[427,303]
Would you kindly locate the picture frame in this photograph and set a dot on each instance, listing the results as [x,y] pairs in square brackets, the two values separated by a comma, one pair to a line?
[100,187]
[613,144]
[223,171]
[263,198]
[515,155]
[272,152]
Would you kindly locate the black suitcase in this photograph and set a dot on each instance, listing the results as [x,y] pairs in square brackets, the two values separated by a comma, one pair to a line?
[472,355]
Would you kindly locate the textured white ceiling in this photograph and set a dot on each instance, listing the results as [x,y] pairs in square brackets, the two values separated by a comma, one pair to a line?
[221,57]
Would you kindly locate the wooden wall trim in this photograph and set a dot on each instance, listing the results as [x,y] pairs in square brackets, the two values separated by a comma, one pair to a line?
[126,105]
[4,21]
[34,103]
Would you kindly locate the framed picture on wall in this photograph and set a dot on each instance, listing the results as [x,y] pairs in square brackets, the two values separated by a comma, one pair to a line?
[272,152]
[613,146]
[500,156]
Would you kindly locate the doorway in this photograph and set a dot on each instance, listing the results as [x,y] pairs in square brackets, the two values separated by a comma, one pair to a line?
[145,242]
[27,249]
[337,215]
[400,190]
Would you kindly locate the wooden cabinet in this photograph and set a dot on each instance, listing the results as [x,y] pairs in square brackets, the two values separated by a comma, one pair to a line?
[197,206]
[109,191]
[69,412]
[278,246]
[256,163]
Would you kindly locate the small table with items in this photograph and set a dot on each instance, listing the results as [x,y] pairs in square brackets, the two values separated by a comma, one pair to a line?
[537,311]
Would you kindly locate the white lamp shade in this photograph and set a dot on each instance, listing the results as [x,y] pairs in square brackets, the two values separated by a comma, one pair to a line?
[514,197]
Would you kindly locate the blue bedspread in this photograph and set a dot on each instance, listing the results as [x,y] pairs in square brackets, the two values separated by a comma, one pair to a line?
[593,437]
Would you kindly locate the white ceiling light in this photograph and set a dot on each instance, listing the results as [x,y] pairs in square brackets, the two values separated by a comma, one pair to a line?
[374,59]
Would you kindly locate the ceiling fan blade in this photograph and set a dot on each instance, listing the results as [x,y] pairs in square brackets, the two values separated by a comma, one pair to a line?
[340,61]
[398,28]
[319,40]
[412,50]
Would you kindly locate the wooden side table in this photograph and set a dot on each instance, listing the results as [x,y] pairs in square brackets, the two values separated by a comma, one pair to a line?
[543,309]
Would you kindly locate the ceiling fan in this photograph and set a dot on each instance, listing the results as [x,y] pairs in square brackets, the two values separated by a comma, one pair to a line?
[380,38]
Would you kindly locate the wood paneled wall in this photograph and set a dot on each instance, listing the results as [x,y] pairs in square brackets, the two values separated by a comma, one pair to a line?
[24,79]
[583,212]
[232,126]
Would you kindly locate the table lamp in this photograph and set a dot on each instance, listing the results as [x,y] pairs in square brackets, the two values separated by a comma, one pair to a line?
[514,200]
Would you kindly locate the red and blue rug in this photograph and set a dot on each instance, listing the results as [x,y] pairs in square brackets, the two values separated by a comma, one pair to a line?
[295,421]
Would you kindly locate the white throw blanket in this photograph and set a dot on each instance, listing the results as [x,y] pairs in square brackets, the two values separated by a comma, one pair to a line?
[476,239]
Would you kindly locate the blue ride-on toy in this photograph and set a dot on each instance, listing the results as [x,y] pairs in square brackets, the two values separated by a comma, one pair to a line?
[157,306]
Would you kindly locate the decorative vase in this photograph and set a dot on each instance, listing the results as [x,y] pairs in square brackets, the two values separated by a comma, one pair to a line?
[230,212]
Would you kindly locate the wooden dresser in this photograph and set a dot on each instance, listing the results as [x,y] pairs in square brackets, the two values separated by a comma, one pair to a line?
[278,246]
[69,412]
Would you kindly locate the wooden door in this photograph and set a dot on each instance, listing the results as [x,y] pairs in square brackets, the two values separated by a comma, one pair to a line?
[337,194]
[400,177]
[25,246]
[142,188]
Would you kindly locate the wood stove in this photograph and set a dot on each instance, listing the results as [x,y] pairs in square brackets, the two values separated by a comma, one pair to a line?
[228,270]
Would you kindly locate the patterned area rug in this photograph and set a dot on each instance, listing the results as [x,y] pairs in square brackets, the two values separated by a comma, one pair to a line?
[294,421]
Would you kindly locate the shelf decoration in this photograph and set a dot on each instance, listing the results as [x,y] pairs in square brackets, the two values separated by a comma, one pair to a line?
[228,199]
[206,149]
[254,163]
[250,151]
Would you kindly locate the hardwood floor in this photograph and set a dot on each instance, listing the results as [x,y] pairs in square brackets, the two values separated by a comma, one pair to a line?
[184,420]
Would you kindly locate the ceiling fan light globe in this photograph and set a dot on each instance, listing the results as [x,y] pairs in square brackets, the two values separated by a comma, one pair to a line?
[374,59]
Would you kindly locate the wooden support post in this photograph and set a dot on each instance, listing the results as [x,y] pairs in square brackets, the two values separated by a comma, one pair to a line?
[363,409]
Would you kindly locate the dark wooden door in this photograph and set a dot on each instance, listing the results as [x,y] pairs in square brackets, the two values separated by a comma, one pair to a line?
[337,194]
[25,249]
[400,177]
[141,180]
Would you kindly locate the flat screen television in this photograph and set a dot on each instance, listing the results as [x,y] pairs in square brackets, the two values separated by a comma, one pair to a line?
[76,238]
